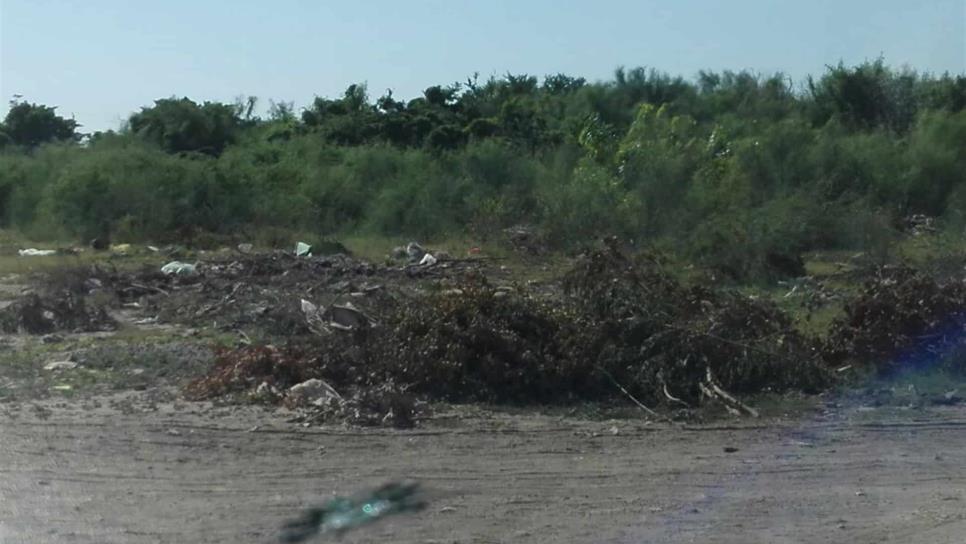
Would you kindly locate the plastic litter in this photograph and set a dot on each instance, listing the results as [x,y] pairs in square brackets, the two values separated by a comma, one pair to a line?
[245,248]
[179,268]
[54,366]
[344,318]
[313,392]
[428,260]
[415,251]
[342,514]
[34,252]
[303,250]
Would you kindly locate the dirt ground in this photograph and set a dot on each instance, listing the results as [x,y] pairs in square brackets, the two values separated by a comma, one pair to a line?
[125,469]
[105,449]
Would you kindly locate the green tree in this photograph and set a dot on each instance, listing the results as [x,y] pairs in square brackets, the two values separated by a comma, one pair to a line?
[181,125]
[30,125]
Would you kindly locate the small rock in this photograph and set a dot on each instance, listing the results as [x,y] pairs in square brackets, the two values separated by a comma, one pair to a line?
[245,248]
[614,430]
[51,339]
[730,449]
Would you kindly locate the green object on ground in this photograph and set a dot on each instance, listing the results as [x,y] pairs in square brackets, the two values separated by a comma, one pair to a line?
[342,514]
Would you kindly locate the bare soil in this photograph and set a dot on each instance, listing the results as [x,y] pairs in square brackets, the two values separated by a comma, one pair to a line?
[109,452]
[127,469]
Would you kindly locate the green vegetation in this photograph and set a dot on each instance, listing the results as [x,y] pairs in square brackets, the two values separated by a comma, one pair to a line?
[738,172]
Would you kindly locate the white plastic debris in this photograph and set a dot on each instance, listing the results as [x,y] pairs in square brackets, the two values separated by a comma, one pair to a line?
[34,252]
[415,251]
[246,248]
[313,392]
[153,249]
[339,317]
[303,250]
[54,366]
[427,260]
[309,308]
[179,268]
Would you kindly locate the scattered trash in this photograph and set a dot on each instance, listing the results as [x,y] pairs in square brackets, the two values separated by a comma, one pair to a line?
[347,317]
[121,249]
[173,432]
[303,250]
[62,387]
[33,252]
[56,310]
[153,249]
[314,392]
[342,514]
[474,251]
[55,366]
[340,317]
[427,260]
[179,268]
[266,390]
[415,251]
[246,248]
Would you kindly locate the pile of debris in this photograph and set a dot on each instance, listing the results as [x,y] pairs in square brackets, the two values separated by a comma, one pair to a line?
[293,378]
[673,343]
[60,304]
[903,317]
[622,328]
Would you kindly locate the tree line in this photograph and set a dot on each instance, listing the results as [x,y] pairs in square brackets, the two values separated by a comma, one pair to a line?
[733,169]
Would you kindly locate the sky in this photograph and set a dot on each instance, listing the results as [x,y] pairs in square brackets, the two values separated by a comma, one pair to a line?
[101,60]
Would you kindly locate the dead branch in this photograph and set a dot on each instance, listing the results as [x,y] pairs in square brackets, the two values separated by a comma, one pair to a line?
[634,400]
[713,390]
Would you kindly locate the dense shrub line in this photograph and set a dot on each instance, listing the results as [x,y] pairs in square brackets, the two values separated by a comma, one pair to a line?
[737,171]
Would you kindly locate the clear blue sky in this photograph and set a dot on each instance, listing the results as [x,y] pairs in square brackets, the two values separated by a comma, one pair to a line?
[99,60]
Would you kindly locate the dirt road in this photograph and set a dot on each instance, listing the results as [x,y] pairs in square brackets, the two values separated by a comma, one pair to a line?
[180,474]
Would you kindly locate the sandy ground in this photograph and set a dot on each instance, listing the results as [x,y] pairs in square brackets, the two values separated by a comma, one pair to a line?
[183,473]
